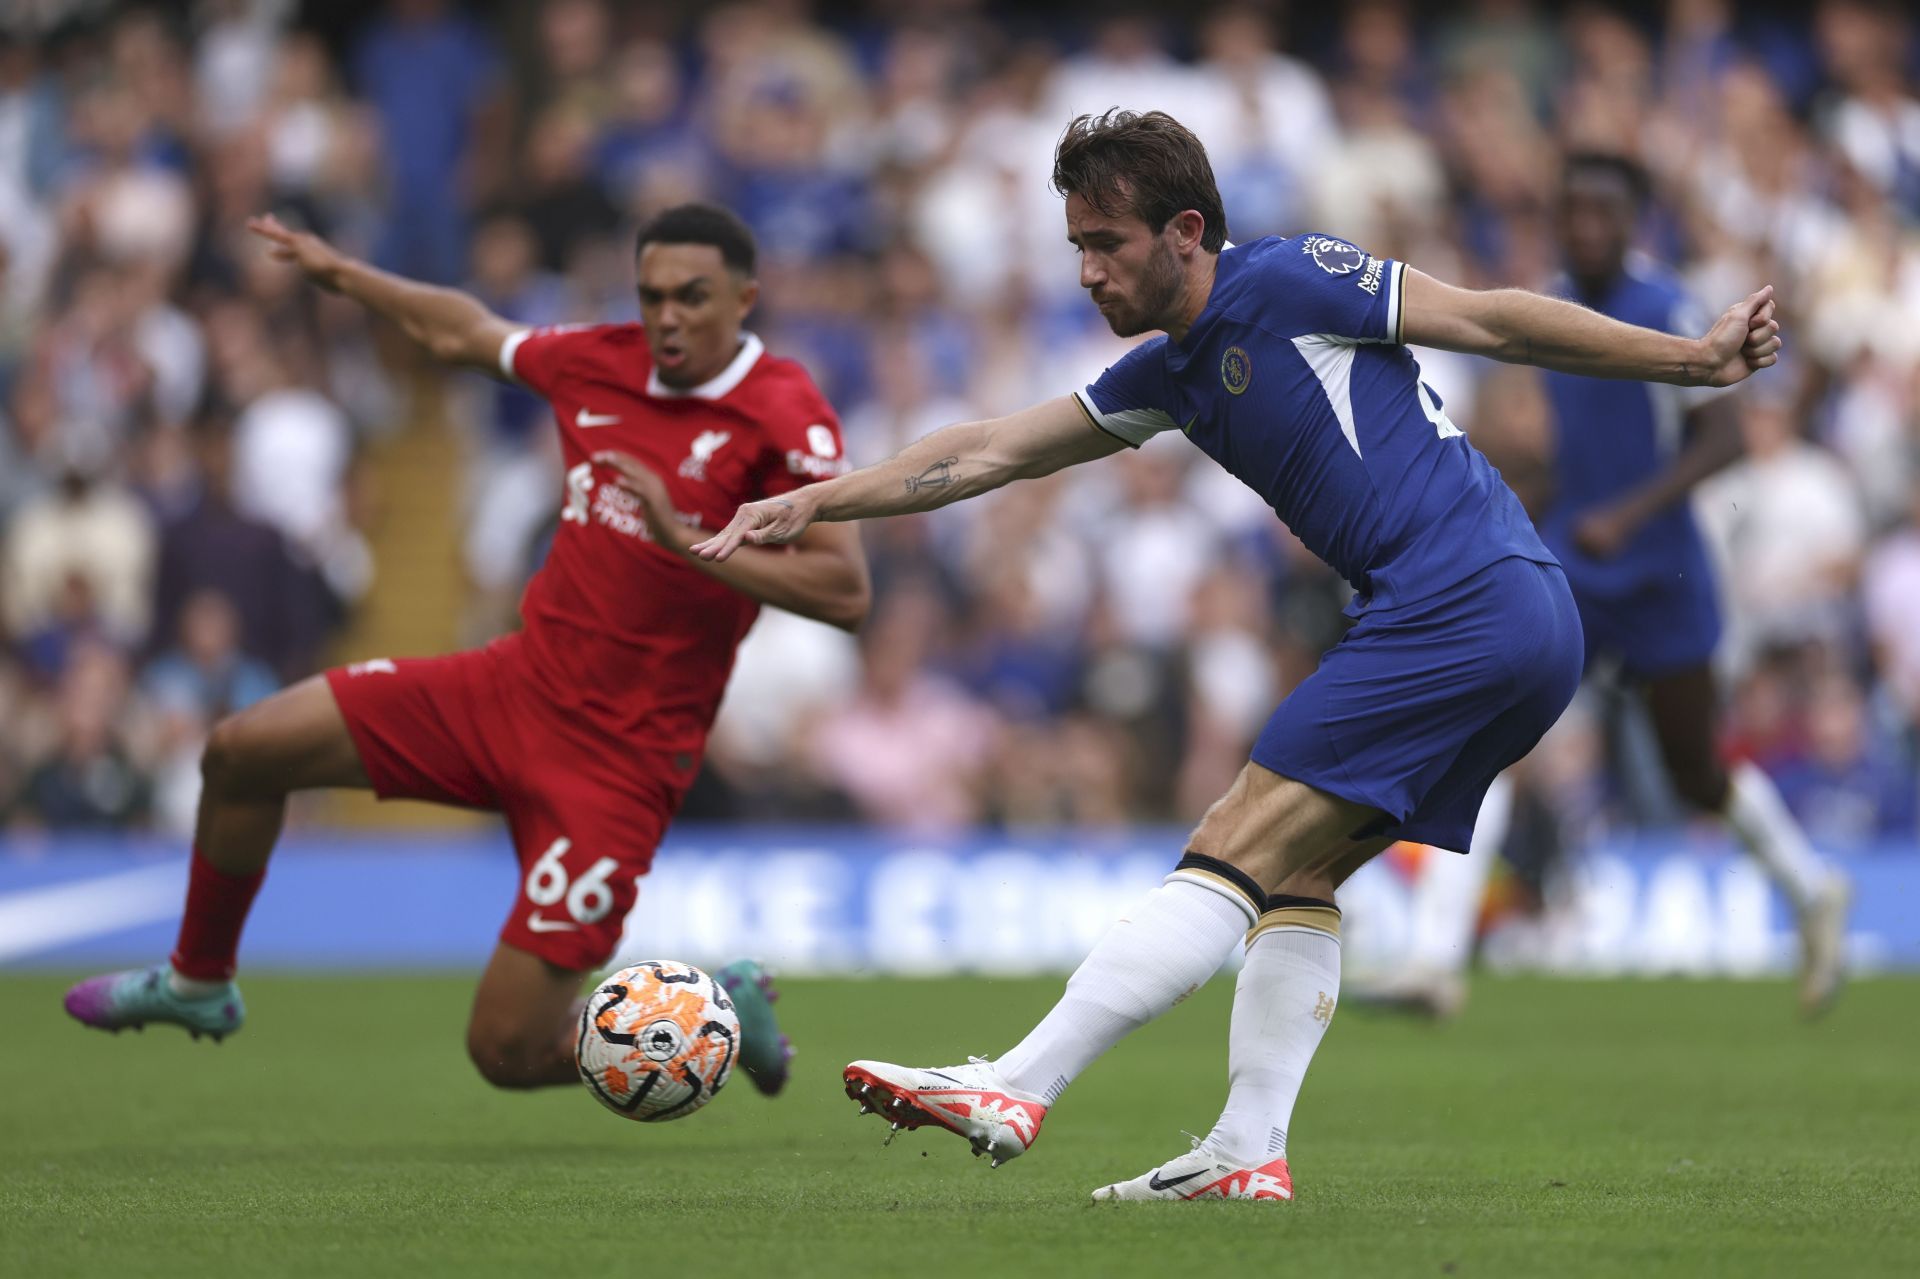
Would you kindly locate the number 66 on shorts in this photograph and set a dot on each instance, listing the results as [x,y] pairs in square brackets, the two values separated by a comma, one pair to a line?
[588,897]
[572,903]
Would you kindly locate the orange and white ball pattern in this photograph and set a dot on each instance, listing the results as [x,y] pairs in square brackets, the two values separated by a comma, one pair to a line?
[657,1041]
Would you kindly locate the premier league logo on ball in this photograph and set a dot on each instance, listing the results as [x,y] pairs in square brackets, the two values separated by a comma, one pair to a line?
[1335,257]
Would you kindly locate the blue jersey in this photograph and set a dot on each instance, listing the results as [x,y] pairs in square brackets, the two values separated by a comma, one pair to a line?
[1614,436]
[1295,380]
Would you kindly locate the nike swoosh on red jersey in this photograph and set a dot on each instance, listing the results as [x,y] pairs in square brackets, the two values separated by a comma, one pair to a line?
[583,418]
[538,924]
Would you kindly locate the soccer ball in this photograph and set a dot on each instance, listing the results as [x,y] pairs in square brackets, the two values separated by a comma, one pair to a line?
[657,1041]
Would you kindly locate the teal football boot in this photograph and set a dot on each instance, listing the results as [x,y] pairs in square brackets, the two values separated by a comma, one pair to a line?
[764,1051]
[129,1000]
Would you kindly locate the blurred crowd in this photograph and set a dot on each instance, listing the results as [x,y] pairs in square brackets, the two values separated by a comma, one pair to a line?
[184,430]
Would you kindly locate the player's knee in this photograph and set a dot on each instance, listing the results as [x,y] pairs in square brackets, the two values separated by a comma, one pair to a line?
[506,1057]
[249,755]
[223,764]
[1704,790]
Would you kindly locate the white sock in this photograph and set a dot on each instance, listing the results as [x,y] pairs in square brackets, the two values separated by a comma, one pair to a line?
[1760,818]
[1164,950]
[192,987]
[1282,1007]
[1446,899]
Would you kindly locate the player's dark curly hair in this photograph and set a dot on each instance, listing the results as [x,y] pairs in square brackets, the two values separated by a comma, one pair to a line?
[701,224]
[1629,171]
[1144,163]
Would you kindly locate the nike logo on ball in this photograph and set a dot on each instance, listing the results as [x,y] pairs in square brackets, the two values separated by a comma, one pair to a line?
[1154,1182]
[538,924]
[584,418]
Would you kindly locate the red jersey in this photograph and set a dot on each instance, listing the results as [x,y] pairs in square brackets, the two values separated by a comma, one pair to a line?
[621,632]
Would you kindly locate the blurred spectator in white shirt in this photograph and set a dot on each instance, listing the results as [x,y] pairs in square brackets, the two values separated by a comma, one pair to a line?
[235,52]
[1787,520]
[1890,594]
[292,447]
[1153,549]
[124,204]
[1266,120]
[86,534]
[1875,124]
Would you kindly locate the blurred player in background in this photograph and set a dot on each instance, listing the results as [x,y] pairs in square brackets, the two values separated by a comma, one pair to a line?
[585,728]
[1626,459]
[1285,361]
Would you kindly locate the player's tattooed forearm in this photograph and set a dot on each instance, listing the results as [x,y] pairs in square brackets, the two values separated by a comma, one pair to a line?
[938,476]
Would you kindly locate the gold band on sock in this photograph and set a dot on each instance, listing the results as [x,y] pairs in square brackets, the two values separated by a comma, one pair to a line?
[1220,884]
[1317,919]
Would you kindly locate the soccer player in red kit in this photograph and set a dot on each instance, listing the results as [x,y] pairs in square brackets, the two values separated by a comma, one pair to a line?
[586,727]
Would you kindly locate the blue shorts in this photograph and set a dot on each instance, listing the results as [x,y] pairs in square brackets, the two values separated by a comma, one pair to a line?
[1669,624]
[1421,706]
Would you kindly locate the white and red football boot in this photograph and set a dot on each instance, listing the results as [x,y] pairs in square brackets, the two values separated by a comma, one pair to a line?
[971,1100]
[1205,1173]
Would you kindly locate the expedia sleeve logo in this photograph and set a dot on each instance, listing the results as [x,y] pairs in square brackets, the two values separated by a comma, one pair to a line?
[1335,257]
[823,461]
[1236,370]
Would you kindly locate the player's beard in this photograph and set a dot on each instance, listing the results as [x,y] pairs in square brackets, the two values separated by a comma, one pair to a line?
[1159,291]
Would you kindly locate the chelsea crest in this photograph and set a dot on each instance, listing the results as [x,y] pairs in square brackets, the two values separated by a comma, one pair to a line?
[1236,370]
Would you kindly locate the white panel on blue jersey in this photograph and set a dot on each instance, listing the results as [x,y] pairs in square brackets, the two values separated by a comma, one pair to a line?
[1669,417]
[1331,359]
[1396,321]
[1135,426]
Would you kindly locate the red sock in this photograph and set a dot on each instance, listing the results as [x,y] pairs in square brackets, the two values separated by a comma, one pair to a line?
[217,905]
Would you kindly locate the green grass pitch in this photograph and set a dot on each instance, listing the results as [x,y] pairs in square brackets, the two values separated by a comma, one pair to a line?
[1641,1129]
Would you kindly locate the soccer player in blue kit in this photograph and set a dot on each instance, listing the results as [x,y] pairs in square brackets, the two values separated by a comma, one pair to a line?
[1626,459]
[1284,361]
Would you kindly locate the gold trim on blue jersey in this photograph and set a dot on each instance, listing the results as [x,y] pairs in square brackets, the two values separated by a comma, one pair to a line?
[1397,304]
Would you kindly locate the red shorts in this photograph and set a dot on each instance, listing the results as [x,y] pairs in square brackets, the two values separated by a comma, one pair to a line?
[585,813]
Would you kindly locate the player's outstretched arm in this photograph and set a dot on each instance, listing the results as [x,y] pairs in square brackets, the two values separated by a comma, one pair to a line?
[452,325]
[1531,328]
[823,575]
[955,462]
[1713,443]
